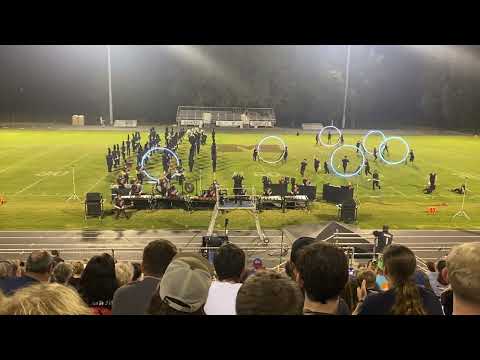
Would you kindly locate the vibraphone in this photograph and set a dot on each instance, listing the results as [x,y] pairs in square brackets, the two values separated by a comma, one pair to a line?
[288,202]
[150,202]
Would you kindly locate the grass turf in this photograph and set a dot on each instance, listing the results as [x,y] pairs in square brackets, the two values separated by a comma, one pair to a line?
[36,179]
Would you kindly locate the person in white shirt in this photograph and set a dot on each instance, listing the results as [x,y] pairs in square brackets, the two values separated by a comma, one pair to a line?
[229,263]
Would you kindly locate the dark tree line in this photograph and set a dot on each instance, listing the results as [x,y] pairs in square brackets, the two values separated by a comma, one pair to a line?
[390,86]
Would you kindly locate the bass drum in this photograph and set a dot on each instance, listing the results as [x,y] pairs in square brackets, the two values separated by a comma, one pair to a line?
[189,188]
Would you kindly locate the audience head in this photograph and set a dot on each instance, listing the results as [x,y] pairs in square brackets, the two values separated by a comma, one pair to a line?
[45,299]
[463,265]
[297,246]
[322,272]
[123,273]
[6,269]
[62,272]
[400,266]
[431,266]
[442,272]
[369,277]
[229,262]
[77,269]
[137,271]
[98,281]
[184,287]
[157,255]
[40,263]
[269,293]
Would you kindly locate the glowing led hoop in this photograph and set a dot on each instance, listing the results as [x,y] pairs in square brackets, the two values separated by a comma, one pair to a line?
[347,175]
[145,156]
[384,142]
[262,141]
[329,127]
[367,135]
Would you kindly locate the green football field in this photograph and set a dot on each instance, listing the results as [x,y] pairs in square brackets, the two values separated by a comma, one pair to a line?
[36,179]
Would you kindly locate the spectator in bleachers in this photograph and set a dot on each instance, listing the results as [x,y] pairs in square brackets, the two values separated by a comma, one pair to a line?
[269,293]
[123,273]
[297,245]
[322,273]
[61,274]
[404,297]
[229,266]
[77,269]
[45,299]
[38,268]
[370,281]
[137,271]
[6,269]
[56,257]
[438,277]
[446,299]
[98,284]
[183,289]
[349,294]
[134,298]
[463,270]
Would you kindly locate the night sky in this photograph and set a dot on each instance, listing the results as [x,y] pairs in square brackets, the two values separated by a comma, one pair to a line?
[390,86]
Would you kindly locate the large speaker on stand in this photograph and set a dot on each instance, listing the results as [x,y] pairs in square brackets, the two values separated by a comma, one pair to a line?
[93,205]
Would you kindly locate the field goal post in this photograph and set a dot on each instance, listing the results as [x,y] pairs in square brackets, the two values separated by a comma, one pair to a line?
[235,117]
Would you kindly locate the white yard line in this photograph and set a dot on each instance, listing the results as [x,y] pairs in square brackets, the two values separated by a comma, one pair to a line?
[96,183]
[44,178]
[28,159]
[29,186]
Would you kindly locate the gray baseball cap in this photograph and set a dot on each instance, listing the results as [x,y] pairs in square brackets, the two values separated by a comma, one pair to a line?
[185,284]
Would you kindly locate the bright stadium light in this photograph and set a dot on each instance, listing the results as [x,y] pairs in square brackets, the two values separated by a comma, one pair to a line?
[110,105]
[347,71]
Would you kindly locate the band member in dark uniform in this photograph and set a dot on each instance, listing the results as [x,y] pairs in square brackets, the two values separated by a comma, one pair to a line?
[136,189]
[385,149]
[128,145]
[285,154]
[303,166]
[367,168]
[237,186]
[295,190]
[431,184]
[329,137]
[376,180]
[317,139]
[382,239]
[358,145]
[109,162]
[255,153]
[119,207]
[345,162]
[139,175]
[172,192]
[213,134]
[123,152]
[325,167]
[375,153]
[316,164]
[342,141]
[411,155]
[268,192]
[461,190]
[214,157]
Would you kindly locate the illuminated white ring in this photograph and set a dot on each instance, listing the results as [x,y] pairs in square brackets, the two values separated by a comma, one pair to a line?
[329,127]
[144,157]
[262,141]
[347,175]
[367,135]
[384,142]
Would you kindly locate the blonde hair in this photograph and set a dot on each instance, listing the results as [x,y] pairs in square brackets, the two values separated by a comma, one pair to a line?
[45,299]
[123,273]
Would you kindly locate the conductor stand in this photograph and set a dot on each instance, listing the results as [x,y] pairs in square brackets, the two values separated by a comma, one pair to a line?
[462,211]
[74,196]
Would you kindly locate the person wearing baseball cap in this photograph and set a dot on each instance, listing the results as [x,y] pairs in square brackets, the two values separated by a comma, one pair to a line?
[463,271]
[184,287]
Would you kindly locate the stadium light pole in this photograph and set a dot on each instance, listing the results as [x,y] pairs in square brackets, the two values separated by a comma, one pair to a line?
[110,85]
[347,72]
